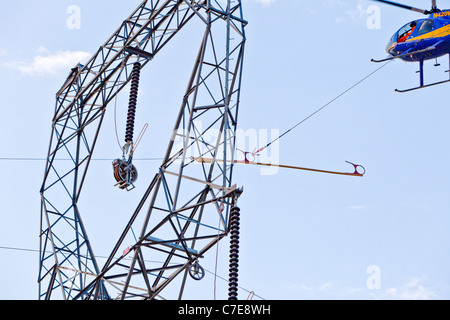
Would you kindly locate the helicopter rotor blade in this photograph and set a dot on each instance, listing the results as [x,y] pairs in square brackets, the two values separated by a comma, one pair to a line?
[403,6]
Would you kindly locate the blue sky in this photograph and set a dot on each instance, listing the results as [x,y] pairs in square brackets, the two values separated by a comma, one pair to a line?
[304,235]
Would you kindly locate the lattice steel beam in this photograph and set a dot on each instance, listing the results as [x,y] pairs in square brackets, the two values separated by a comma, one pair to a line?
[184,202]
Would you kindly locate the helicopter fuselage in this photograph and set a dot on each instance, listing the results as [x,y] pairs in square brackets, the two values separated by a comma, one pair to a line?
[425,39]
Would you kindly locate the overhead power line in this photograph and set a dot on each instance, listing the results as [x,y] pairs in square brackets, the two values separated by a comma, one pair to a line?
[104,257]
[94,159]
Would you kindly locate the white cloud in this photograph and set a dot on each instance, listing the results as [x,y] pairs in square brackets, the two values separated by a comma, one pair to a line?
[334,2]
[356,15]
[265,2]
[47,63]
[325,286]
[412,290]
[3,52]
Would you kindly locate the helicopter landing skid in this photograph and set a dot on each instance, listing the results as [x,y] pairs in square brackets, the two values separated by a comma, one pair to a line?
[422,85]
[411,53]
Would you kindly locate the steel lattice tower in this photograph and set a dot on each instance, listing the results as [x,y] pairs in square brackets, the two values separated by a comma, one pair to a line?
[178,213]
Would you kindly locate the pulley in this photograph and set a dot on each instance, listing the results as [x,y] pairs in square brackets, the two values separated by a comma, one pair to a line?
[196,271]
[125,174]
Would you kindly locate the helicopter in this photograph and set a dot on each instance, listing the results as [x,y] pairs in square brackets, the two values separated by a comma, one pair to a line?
[420,40]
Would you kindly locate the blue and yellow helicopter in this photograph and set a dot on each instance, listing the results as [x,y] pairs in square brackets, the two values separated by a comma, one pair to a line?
[420,40]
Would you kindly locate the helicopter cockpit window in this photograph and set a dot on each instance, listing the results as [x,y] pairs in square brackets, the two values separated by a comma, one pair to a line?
[426,26]
[390,47]
[405,32]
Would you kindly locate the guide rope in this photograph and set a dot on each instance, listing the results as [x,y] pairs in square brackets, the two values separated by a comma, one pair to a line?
[320,109]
